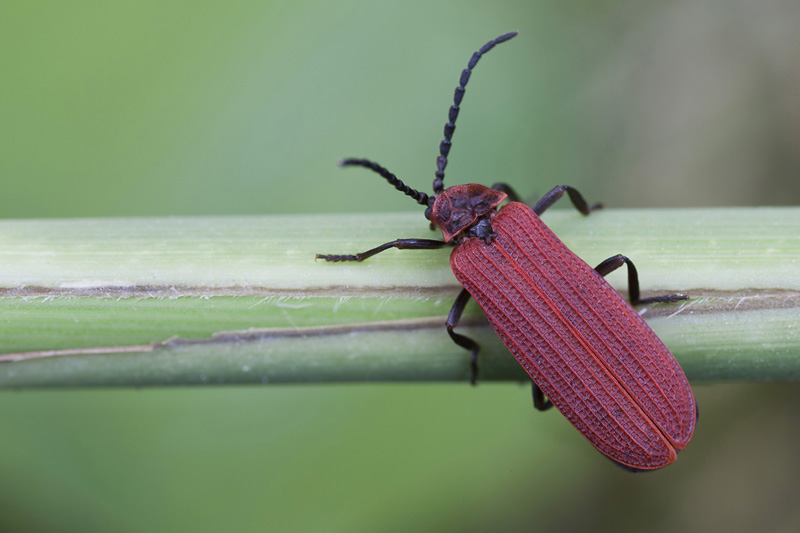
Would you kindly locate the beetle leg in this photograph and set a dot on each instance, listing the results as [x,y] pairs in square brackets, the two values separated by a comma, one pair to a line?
[465,342]
[539,401]
[613,263]
[557,192]
[401,244]
[506,188]
[550,198]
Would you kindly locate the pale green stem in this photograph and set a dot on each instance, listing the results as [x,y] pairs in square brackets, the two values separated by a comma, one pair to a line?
[146,301]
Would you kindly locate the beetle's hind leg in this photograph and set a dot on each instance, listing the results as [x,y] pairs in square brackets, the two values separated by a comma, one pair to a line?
[465,342]
[613,263]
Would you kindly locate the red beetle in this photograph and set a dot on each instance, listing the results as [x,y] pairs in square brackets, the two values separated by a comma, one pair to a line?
[586,349]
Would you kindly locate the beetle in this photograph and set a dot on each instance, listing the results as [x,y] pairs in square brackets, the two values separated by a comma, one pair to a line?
[586,349]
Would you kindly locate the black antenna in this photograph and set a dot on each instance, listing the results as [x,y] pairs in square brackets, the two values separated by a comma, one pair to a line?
[420,197]
[450,127]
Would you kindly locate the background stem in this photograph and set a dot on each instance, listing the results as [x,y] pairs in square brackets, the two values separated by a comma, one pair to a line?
[154,301]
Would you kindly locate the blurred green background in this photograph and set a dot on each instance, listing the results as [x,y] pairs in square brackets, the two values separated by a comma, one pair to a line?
[197,108]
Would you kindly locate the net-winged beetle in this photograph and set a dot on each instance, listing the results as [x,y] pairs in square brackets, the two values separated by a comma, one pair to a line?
[588,352]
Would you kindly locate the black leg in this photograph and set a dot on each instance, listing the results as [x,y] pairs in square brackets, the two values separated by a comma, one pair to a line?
[613,263]
[555,195]
[550,198]
[401,244]
[465,342]
[506,188]
[539,401]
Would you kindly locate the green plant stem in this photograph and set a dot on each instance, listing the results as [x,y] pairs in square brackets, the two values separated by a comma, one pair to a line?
[148,301]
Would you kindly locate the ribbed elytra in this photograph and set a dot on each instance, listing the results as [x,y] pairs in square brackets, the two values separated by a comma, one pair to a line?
[584,346]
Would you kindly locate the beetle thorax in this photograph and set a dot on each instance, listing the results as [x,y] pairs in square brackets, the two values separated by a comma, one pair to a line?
[460,207]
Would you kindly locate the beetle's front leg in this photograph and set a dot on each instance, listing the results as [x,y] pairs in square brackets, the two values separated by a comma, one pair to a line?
[401,244]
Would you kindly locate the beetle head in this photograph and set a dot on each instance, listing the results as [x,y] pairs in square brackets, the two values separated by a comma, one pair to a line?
[460,206]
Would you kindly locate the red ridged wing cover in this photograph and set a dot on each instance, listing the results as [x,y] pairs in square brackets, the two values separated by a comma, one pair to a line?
[586,348]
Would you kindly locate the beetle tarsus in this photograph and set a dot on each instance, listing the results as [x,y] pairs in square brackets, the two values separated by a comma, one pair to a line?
[339,258]
[400,244]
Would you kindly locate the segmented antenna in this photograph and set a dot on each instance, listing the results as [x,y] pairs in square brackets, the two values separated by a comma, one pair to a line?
[420,197]
[450,127]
